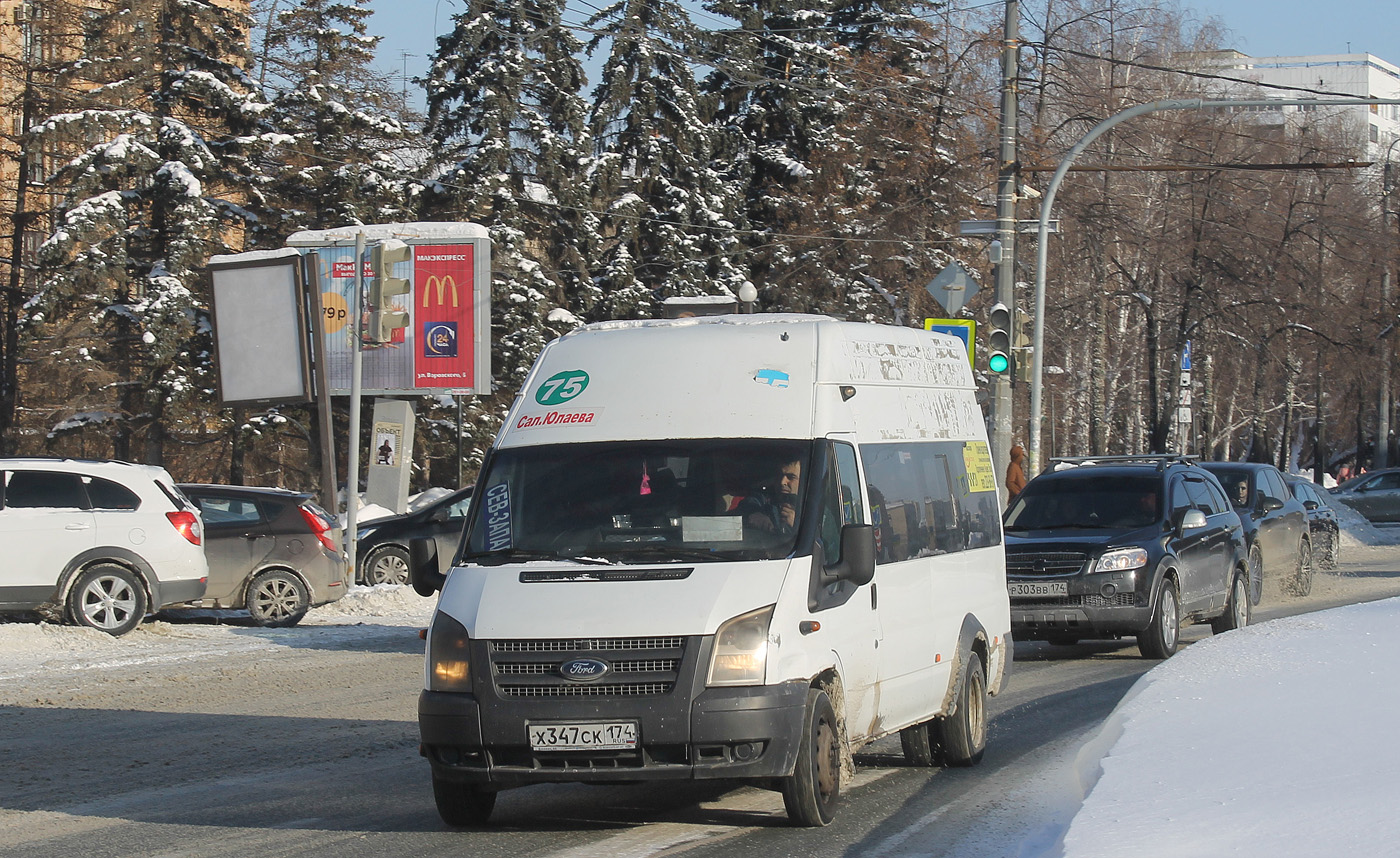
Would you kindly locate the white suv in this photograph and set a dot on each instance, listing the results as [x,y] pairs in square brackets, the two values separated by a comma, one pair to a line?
[97,543]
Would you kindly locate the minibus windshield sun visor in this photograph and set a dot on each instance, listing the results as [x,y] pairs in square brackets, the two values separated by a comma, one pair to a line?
[689,500]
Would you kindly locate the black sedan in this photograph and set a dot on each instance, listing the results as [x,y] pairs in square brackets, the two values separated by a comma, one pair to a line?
[1275,525]
[1322,521]
[382,543]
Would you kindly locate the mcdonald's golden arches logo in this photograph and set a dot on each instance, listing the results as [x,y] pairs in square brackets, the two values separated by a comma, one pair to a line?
[443,283]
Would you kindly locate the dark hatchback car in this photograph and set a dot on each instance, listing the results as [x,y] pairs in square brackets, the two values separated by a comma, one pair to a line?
[1375,495]
[1123,545]
[382,543]
[271,551]
[1324,531]
[1275,526]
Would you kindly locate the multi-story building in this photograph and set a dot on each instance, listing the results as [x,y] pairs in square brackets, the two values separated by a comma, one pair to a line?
[1373,129]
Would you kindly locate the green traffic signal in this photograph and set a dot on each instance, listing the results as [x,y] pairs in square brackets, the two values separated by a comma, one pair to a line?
[998,363]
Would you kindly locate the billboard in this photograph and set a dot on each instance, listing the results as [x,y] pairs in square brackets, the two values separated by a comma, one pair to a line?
[445,348]
[260,341]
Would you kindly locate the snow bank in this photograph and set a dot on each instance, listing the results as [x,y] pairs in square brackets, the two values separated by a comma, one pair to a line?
[1275,740]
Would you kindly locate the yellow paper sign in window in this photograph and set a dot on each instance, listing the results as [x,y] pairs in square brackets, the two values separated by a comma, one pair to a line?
[977,459]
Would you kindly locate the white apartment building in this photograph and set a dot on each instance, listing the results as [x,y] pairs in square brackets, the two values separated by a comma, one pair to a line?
[1376,127]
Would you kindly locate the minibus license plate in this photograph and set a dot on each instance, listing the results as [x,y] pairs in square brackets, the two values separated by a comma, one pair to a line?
[584,736]
[1038,588]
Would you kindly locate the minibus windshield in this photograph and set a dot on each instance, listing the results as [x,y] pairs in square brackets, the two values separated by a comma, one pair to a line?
[642,501]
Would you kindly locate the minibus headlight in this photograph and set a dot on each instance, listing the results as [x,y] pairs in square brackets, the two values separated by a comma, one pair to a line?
[741,649]
[449,655]
[1121,560]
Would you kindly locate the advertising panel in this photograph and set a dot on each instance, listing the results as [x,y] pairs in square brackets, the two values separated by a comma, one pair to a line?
[445,348]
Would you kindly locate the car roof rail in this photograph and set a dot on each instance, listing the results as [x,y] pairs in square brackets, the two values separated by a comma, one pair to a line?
[1161,460]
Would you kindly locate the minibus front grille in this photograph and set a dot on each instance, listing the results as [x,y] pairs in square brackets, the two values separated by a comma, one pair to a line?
[616,689]
[620,667]
[587,644]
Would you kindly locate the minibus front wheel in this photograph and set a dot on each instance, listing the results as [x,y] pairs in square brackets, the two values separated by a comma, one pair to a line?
[811,792]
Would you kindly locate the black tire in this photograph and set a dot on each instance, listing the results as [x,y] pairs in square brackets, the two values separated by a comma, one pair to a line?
[811,792]
[963,734]
[1237,606]
[1302,580]
[1332,554]
[109,598]
[1256,575]
[462,805]
[1162,636]
[920,745]
[277,599]
[387,564]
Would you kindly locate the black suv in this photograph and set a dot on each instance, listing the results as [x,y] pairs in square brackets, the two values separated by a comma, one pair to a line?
[1124,545]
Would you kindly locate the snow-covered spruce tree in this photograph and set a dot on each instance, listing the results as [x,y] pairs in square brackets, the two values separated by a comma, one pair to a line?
[346,154]
[511,153]
[669,216]
[802,91]
[161,180]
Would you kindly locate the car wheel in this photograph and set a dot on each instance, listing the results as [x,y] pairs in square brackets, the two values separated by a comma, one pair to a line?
[387,564]
[1236,614]
[1163,634]
[810,793]
[1302,582]
[462,805]
[109,598]
[964,733]
[1256,575]
[920,745]
[1331,554]
[277,599]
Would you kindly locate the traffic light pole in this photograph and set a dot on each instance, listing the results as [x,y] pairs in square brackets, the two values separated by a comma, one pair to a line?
[352,480]
[1006,228]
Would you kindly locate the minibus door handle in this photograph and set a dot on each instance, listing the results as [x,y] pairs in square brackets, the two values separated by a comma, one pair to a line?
[874,599]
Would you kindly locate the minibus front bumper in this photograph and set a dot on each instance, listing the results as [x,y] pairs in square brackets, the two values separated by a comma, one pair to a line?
[749,732]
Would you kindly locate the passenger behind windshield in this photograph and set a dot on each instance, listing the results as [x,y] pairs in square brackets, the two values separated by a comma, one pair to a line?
[1095,501]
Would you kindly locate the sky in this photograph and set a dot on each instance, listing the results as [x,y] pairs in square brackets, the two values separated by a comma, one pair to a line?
[1261,28]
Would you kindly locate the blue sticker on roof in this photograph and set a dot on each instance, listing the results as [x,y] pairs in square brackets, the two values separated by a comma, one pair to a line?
[771,377]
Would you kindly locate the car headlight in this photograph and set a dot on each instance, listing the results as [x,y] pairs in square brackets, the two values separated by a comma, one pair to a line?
[741,649]
[364,532]
[449,655]
[1121,560]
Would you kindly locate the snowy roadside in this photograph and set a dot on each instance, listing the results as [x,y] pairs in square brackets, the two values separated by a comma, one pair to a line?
[1276,739]
[31,650]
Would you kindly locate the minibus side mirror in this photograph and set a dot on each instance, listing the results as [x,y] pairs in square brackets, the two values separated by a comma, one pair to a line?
[857,563]
[423,571]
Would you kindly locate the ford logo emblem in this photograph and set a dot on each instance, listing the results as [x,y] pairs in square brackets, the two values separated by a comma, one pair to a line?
[584,669]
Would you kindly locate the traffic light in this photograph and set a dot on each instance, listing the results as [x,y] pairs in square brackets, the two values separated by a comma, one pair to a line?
[1022,349]
[383,321]
[999,340]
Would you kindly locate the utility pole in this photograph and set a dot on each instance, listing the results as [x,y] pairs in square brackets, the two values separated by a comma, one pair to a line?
[1382,454]
[1006,227]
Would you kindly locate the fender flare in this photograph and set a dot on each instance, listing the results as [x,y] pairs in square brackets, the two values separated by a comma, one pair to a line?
[971,638]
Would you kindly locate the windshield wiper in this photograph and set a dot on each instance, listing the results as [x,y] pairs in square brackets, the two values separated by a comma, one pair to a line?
[509,555]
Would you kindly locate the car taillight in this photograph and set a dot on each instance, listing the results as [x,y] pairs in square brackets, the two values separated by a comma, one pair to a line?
[319,527]
[187,523]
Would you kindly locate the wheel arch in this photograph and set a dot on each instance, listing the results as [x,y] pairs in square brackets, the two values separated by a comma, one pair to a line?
[972,641]
[125,558]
